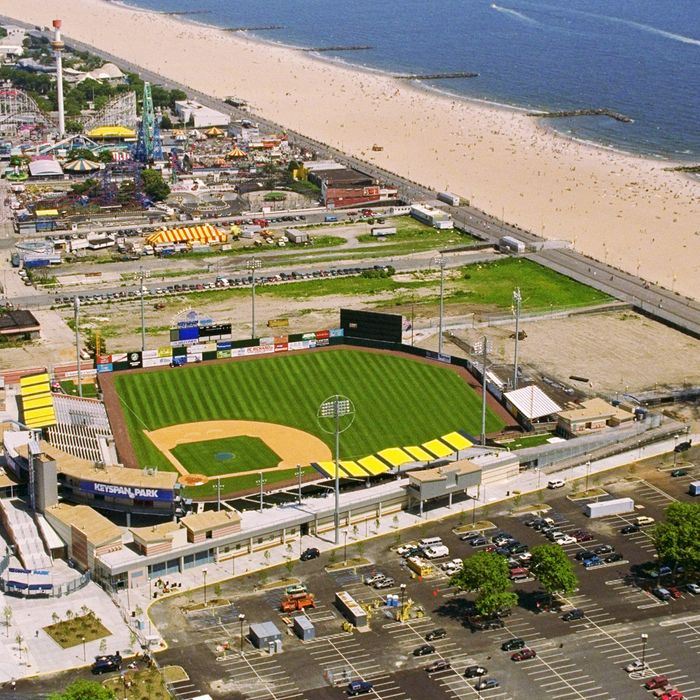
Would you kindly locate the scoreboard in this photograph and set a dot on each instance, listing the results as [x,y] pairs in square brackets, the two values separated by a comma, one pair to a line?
[188,334]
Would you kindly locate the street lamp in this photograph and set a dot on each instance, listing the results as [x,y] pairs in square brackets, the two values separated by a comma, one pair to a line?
[644,637]
[336,407]
[142,291]
[345,548]
[588,471]
[241,619]
[261,484]
[403,596]
[84,652]
[517,299]
[253,264]
[441,262]
[204,575]
[76,308]
[675,454]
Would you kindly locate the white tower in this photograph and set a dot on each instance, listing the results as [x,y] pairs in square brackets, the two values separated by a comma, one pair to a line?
[57,45]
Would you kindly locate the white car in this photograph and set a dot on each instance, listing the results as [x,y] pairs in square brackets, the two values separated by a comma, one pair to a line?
[371,580]
[565,539]
[634,666]
[452,564]
[525,556]
[693,588]
[401,550]
[555,484]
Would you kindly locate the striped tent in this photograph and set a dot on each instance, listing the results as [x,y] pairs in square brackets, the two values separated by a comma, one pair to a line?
[81,165]
[214,132]
[206,233]
[236,153]
[121,155]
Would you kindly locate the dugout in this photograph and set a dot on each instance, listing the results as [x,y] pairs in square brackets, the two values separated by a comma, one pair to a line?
[444,481]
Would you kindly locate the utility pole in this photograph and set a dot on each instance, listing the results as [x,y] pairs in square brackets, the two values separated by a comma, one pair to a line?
[76,303]
[517,299]
[142,291]
[484,350]
[253,264]
[441,262]
[299,482]
[261,482]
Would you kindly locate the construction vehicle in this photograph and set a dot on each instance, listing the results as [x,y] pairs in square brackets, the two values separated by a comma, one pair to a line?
[296,602]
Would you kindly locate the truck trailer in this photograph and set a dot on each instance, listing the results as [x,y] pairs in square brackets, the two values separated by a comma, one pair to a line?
[452,199]
[613,507]
[694,488]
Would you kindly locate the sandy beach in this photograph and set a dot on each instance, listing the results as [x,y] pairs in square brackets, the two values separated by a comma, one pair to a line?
[625,210]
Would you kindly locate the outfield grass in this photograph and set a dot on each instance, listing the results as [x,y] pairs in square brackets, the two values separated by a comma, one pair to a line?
[398,401]
[70,387]
[209,456]
[244,483]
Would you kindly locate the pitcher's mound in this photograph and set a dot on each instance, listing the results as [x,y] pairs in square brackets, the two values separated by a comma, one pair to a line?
[193,479]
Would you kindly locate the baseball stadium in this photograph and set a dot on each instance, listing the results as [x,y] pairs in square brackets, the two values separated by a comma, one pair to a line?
[222,425]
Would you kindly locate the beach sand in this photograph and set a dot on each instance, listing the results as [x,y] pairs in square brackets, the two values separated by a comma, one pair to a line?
[618,208]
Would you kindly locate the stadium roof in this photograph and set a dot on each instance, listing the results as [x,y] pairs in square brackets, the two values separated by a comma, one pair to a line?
[96,528]
[45,168]
[532,402]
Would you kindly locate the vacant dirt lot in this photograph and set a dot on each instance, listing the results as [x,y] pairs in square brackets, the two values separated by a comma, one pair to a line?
[617,352]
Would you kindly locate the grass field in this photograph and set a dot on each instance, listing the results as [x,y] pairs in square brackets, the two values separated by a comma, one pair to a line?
[226,456]
[70,387]
[398,401]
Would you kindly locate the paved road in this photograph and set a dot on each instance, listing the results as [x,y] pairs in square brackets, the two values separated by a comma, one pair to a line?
[655,301]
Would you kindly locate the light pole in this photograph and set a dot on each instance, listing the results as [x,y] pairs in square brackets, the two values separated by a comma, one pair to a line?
[484,350]
[403,596]
[517,299]
[336,407]
[204,575]
[261,483]
[345,548]
[441,262]
[76,307]
[588,471]
[253,264]
[299,483]
[241,620]
[142,291]
[84,651]
[218,488]
[675,454]
[644,637]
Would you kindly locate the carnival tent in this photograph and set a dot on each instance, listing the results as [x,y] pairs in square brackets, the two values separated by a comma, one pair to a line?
[206,233]
[236,153]
[81,165]
[112,132]
[214,132]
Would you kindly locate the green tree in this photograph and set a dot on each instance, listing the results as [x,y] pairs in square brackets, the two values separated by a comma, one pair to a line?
[154,186]
[84,690]
[90,344]
[7,614]
[166,122]
[289,565]
[677,538]
[487,574]
[74,126]
[553,569]
[104,156]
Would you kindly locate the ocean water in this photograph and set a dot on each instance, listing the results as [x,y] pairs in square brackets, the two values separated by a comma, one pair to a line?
[638,57]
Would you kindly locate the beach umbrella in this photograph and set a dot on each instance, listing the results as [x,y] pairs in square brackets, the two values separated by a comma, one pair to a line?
[81,165]
[236,153]
[214,131]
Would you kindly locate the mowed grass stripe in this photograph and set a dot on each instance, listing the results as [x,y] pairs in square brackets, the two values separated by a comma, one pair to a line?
[398,400]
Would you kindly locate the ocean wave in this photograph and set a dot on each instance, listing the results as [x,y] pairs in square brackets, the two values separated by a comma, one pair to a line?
[514,13]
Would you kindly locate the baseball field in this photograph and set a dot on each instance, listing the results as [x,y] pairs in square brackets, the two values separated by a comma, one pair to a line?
[233,419]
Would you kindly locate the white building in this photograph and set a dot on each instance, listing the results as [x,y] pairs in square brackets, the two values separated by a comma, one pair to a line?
[245,131]
[431,216]
[12,44]
[202,116]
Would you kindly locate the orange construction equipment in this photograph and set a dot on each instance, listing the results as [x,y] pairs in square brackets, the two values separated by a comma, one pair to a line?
[297,601]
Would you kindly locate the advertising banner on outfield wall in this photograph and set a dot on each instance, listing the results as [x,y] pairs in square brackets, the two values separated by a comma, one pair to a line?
[118,357]
[157,361]
[127,492]
[148,354]
[322,335]
[337,332]
[135,360]
[107,367]
[165,351]
[103,360]
[280,347]
[221,354]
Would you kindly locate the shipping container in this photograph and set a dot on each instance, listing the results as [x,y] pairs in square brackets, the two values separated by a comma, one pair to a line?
[449,198]
[694,488]
[612,507]
[419,566]
[508,244]
[37,262]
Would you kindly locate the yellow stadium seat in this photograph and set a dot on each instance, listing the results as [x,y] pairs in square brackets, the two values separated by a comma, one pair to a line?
[353,469]
[418,453]
[373,465]
[395,456]
[438,448]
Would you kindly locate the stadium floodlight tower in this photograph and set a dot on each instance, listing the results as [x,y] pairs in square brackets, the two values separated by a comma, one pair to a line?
[517,300]
[336,407]
[253,264]
[441,262]
[57,45]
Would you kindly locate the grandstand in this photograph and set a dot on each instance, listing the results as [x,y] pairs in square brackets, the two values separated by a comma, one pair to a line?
[82,427]
[23,532]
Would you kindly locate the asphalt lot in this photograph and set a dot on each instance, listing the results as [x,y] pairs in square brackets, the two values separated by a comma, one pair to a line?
[581,659]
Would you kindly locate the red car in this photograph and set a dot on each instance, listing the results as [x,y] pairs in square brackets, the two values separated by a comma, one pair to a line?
[583,537]
[490,548]
[656,682]
[673,695]
[675,593]
[523,655]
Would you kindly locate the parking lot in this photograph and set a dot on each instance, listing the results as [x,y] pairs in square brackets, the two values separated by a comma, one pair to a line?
[577,659]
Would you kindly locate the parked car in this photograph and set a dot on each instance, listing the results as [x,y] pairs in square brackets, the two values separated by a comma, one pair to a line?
[679,472]
[424,650]
[310,553]
[636,665]
[644,520]
[656,682]
[575,614]
[555,484]
[438,665]
[359,688]
[384,583]
[404,548]
[486,683]
[371,580]
[469,535]
[478,542]
[485,623]
[437,633]
[662,593]
[523,655]
[107,663]
[592,561]
[565,539]
[513,644]
[629,529]
[475,671]
[672,694]
[693,588]
[584,554]
[612,558]
[675,592]
[603,549]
